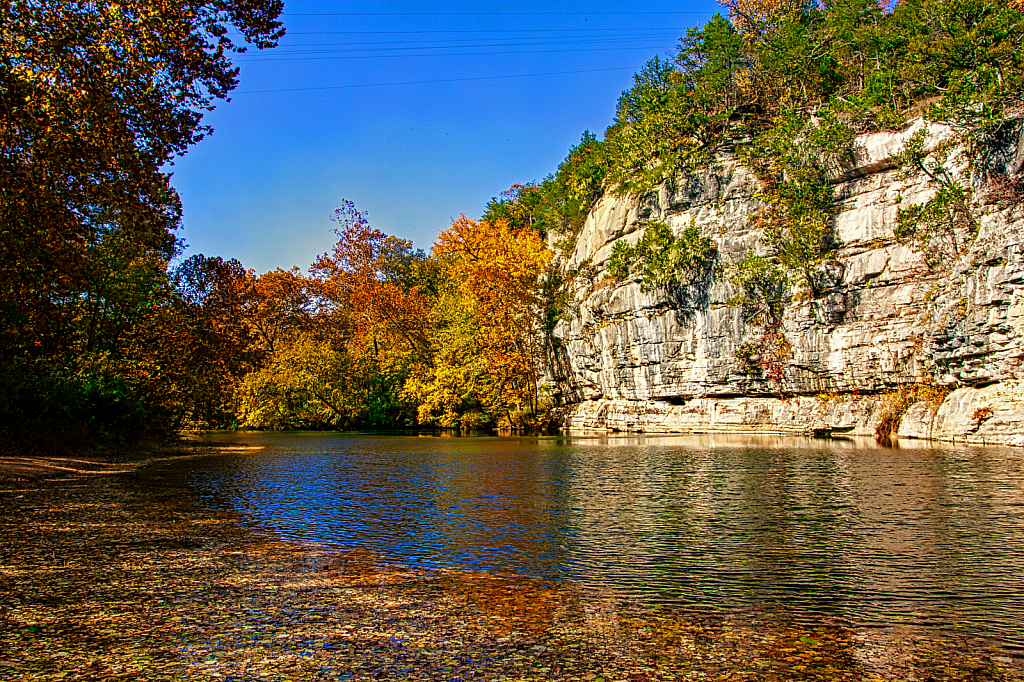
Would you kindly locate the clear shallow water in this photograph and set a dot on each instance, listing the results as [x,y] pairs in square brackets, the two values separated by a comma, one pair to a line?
[921,535]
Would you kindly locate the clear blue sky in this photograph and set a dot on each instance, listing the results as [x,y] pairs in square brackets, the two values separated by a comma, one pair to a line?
[335,112]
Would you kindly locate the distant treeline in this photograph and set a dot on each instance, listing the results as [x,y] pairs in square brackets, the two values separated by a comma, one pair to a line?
[106,337]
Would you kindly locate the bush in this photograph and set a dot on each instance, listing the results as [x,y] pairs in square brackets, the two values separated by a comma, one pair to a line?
[663,260]
[895,404]
[763,286]
[1006,192]
[766,358]
[50,410]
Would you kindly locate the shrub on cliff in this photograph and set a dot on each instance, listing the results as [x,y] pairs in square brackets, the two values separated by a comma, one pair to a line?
[662,259]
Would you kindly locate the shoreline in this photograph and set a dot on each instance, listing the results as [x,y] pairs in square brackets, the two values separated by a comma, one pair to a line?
[15,468]
[119,577]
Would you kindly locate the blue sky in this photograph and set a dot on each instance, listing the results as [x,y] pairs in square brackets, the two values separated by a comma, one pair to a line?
[335,112]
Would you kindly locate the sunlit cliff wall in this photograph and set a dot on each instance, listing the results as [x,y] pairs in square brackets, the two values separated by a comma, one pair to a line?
[625,359]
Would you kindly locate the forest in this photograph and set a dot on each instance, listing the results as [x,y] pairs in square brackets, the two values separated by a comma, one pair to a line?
[109,336]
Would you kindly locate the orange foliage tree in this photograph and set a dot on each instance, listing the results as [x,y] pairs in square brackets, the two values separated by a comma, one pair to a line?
[758,15]
[362,278]
[279,303]
[496,269]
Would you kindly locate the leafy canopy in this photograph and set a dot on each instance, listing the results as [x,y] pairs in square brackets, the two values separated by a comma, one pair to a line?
[96,98]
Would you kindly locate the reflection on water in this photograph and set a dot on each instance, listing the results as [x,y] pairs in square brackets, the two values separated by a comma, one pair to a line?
[921,534]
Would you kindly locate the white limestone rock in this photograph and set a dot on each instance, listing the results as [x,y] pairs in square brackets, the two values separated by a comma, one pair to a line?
[628,359]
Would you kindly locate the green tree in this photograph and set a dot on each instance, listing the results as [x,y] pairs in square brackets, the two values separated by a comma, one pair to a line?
[944,225]
[659,129]
[96,98]
[661,259]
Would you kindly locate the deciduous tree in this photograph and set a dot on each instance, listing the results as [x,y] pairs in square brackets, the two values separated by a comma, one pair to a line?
[497,269]
[96,97]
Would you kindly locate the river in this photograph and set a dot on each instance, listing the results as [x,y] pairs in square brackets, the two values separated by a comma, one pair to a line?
[922,535]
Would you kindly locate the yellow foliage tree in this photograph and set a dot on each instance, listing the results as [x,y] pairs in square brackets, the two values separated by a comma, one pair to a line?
[493,271]
[449,385]
[302,386]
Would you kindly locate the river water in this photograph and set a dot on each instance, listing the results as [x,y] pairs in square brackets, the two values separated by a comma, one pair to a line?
[921,535]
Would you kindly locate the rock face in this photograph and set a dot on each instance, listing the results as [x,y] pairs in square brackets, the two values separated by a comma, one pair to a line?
[633,360]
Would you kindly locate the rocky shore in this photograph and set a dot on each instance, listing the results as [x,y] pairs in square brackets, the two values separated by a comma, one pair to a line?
[114,576]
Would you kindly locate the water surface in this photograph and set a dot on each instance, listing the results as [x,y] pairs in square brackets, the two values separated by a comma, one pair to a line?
[920,534]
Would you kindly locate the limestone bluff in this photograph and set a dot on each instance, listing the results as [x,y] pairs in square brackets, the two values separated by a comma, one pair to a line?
[626,359]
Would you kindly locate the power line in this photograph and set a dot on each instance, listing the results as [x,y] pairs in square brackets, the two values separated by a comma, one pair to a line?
[489,30]
[439,45]
[482,14]
[487,42]
[440,54]
[442,80]
[357,50]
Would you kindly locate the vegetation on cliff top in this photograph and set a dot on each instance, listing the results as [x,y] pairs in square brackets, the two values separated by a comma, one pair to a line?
[786,85]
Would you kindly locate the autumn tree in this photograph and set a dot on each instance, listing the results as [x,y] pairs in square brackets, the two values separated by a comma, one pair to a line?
[450,385]
[365,276]
[301,374]
[760,15]
[193,350]
[371,280]
[96,98]
[338,345]
[280,303]
[494,319]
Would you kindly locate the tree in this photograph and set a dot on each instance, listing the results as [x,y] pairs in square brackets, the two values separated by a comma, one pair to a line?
[336,347]
[96,98]
[944,225]
[757,16]
[198,347]
[310,382]
[762,285]
[560,203]
[966,53]
[364,276]
[450,385]
[661,259]
[659,129]
[497,269]
[280,304]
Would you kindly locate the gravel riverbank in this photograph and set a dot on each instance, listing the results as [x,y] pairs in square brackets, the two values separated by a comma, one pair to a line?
[107,573]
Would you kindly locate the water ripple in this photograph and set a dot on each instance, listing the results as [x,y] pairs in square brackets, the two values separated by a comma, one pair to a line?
[925,534]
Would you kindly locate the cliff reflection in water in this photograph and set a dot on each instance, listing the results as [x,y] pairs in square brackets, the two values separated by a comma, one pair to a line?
[924,533]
